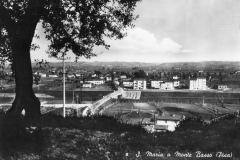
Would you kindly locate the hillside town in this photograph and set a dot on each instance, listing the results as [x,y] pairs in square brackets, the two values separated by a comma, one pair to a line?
[143,80]
[134,87]
[136,78]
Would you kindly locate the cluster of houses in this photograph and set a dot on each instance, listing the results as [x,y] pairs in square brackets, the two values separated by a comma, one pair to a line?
[90,82]
[199,83]
[141,84]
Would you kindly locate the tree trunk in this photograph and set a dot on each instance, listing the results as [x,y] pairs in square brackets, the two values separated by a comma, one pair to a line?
[22,69]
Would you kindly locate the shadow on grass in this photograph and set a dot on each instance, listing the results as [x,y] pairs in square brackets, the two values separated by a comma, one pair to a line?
[191,135]
[15,138]
[95,123]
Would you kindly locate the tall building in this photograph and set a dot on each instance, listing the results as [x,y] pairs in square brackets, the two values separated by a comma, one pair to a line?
[198,84]
[167,86]
[156,84]
[139,84]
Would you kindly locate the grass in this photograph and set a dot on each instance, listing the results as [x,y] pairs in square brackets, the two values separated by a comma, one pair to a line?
[105,138]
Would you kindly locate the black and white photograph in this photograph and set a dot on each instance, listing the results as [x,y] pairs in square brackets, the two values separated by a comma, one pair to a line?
[119,79]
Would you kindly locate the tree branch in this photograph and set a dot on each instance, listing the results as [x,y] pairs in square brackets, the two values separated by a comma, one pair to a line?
[5,18]
[33,12]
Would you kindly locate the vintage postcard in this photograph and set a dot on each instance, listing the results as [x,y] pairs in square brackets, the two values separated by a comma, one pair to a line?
[119,79]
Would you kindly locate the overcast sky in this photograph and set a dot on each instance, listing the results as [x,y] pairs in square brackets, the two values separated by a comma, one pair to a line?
[173,31]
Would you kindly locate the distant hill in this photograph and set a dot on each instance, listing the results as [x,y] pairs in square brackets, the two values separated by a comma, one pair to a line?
[206,65]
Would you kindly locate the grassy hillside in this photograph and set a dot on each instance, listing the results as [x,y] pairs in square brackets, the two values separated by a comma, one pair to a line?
[104,138]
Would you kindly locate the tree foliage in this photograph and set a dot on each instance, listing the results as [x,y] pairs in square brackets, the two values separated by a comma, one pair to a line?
[140,74]
[76,25]
[70,25]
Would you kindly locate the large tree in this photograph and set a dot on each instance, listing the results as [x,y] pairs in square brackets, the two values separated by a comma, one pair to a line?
[70,25]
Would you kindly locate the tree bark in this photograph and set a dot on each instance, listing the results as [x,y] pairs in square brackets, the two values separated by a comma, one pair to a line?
[22,69]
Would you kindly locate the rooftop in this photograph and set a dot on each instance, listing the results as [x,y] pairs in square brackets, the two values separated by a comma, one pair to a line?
[169,118]
[139,79]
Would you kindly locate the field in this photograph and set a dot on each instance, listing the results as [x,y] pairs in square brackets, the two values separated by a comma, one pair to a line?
[136,112]
[56,96]
[191,97]
[54,88]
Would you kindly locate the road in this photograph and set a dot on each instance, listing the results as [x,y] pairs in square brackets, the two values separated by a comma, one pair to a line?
[94,108]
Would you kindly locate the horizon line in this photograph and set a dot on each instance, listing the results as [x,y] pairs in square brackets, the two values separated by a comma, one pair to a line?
[142,62]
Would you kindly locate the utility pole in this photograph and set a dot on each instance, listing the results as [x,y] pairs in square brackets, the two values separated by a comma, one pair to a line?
[203,100]
[64,91]
[80,93]
[73,96]
[64,81]
[73,84]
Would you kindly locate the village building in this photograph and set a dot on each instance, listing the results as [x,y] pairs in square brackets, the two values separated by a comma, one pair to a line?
[156,84]
[167,86]
[123,76]
[176,84]
[222,87]
[43,75]
[101,77]
[198,84]
[71,76]
[108,78]
[139,84]
[128,84]
[162,123]
[94,75]
[96,81]
[87,85]
[78,75]
[175,77]
[52,76]
[167,123]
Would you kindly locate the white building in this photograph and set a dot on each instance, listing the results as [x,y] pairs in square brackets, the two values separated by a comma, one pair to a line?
[222,87]
[71,76]
[87,85]
[156,84]
[108,78]
[198,84]
[43,75]
[139,84]
[127,84]
[167,123]
[52,76]
[176,83]
[94,75]
[175,77]
[96,81]
[78,75]
[167,86]
[101,77]
[123,76]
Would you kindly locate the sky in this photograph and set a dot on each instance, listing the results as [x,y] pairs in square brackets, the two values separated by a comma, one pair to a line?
[173,31]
